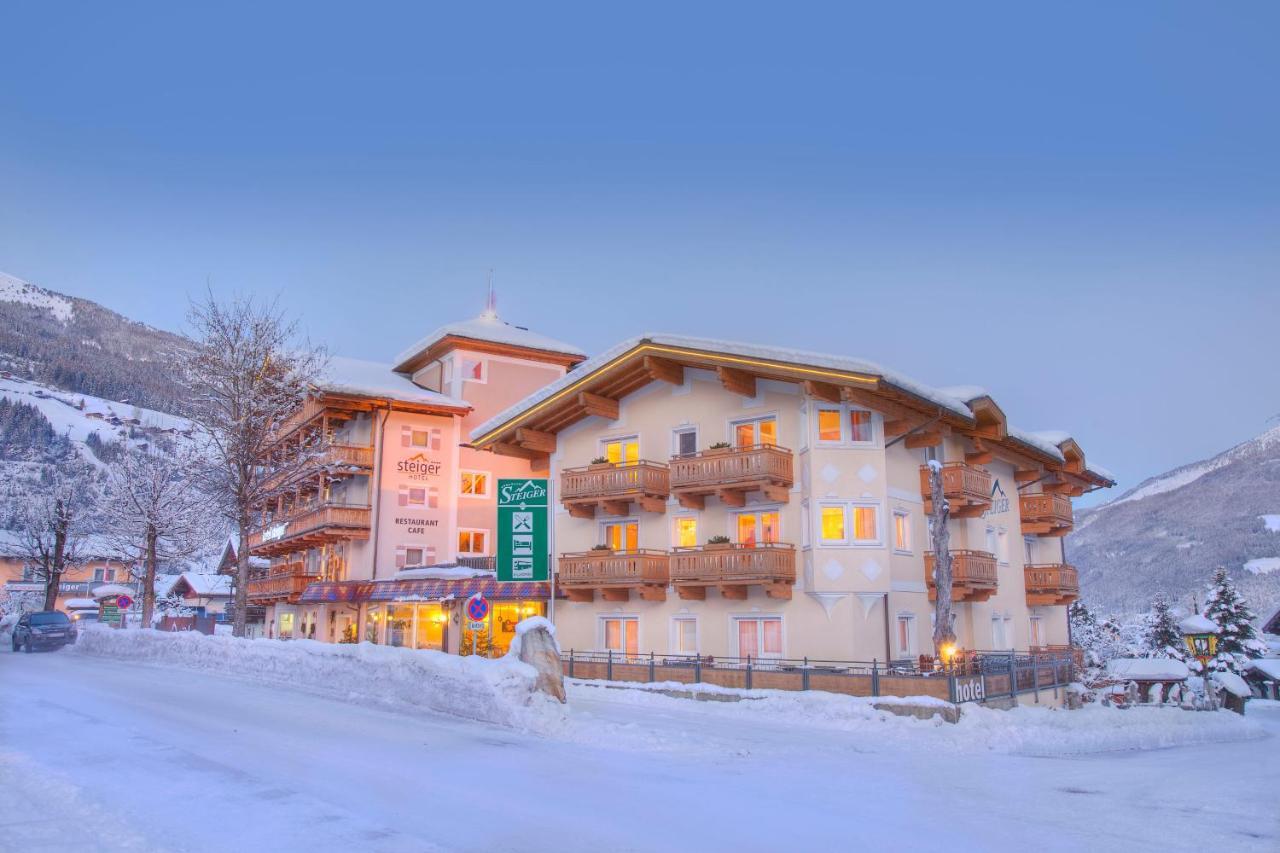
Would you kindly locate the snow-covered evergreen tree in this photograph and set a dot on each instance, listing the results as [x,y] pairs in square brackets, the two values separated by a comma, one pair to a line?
[1239,640]
[1164,640]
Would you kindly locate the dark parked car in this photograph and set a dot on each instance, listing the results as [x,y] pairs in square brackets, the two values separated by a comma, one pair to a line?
[48,629]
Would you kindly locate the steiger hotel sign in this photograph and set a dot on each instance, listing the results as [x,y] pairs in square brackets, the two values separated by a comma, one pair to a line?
[522,530]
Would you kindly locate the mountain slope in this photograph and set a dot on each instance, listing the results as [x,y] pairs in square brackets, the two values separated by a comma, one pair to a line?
[1168,533]
[80,346]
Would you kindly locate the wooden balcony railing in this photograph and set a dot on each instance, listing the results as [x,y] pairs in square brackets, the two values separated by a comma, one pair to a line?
[973,575]
[1046,514]
[615,574]
[731,472]
[284,585]
[1051,583]
[311,525]
[613,488]
[733,568]
[966,487]
[331,457]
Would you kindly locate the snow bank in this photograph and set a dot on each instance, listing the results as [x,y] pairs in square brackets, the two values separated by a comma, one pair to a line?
[525,626]
[1040,731]
[493,691]
[1148,669]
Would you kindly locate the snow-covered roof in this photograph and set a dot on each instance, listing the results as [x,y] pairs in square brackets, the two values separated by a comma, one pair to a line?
[1148,669]
[111,589]
[1266,667]
[492,328]
[1233,684]
[373,379]
[737,348]
[965,393]
[444,572]
[81,604]
[208,585]
[1197,624]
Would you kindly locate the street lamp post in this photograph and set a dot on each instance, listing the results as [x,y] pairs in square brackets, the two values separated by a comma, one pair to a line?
[1201,636]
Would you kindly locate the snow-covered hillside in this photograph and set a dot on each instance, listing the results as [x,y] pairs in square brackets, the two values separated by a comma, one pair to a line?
[24,293]
[1168,533]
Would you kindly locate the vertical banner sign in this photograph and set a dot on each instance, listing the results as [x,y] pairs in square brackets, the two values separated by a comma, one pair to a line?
[522,530]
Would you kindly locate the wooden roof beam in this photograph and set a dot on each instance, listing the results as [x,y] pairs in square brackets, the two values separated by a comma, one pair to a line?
[822,390]
[926,438]
[533,439]
[664,370]
[594,404]
[737,381]
[981,454]
[503,448]
[885,406]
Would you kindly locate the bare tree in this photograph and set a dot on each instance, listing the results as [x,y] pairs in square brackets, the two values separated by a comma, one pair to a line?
[944,634]
[251,373]
[155,511]
[53,524]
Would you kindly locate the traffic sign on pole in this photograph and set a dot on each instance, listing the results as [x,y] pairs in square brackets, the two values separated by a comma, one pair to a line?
[522,530]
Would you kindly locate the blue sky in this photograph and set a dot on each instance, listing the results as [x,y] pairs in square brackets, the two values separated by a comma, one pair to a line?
[1076,207]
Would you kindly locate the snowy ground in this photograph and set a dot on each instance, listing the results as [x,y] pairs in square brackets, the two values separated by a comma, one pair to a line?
[103,754]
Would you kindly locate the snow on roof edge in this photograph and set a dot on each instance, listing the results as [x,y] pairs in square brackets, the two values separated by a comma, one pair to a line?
[363,378]
[488,328]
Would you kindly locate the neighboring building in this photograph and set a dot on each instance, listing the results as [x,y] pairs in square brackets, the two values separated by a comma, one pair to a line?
[394,487]
[91,572]
[812,469]
[204,595]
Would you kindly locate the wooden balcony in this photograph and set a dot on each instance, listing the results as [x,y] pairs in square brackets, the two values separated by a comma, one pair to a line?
[966,487]
[734,568]
[973,575]
[613,488]
[615,574]
[1051,583]
[311,526]
[1046,514]
[280,585]
[729,473]
[335,460]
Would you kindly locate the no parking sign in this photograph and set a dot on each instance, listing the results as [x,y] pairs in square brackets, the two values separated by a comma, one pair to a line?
[477,611]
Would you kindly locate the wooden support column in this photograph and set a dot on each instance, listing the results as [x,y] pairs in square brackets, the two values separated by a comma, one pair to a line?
[532,439]
[594,404]
[664,370]
[737,381]
[822,391]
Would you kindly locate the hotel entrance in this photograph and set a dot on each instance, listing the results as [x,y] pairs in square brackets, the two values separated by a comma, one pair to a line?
[495,638]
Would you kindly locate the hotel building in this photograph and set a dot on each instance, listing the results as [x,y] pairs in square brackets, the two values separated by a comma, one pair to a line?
[734,500]
[389,486]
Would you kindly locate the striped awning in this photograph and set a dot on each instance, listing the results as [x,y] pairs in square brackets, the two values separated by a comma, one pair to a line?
[422,590]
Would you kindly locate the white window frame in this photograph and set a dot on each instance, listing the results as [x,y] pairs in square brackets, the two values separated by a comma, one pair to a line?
[844,512]
[850,539]
[1002,546]
[430,493]
[435,437]
[606,523]
[878,542]
[675,528]
[1028,550]
[734,423]
[602,633]
[735,618]
[846,427]
[402,553]
[622,460]
[905,515]
[488,484]
[1035,629]
[488,537]
[675,634]
[757,511]
[675,439]
[990,542]
[910,618]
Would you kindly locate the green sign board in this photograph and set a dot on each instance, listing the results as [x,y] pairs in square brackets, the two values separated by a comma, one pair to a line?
[522,530]
[108,613]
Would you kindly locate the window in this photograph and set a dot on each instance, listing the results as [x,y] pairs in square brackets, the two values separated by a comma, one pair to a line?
[1028,549]
[860,426]
[621,634]
[686,533]
[622,535]
[475,484]
[833,527]
[758,431]
[866,526]
[102,575]
[684,441]
[829,425]
[622,451]
[420,497]
[415,555]
[431,438]
[474,369]
[997,633]
[685,635]
[1037,631]
[756,528]
[473,542]
[991,541]
[1002,546]
[906,634]
[901,531]
[760,638]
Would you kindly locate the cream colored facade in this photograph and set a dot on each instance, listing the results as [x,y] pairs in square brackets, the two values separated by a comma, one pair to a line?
[854,514]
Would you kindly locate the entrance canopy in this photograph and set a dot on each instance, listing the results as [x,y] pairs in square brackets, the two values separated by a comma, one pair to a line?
[422,590]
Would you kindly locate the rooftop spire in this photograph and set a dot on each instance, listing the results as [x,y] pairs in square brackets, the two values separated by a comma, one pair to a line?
[491,304]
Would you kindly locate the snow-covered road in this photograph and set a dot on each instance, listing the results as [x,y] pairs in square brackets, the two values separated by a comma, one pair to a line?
[100,754]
